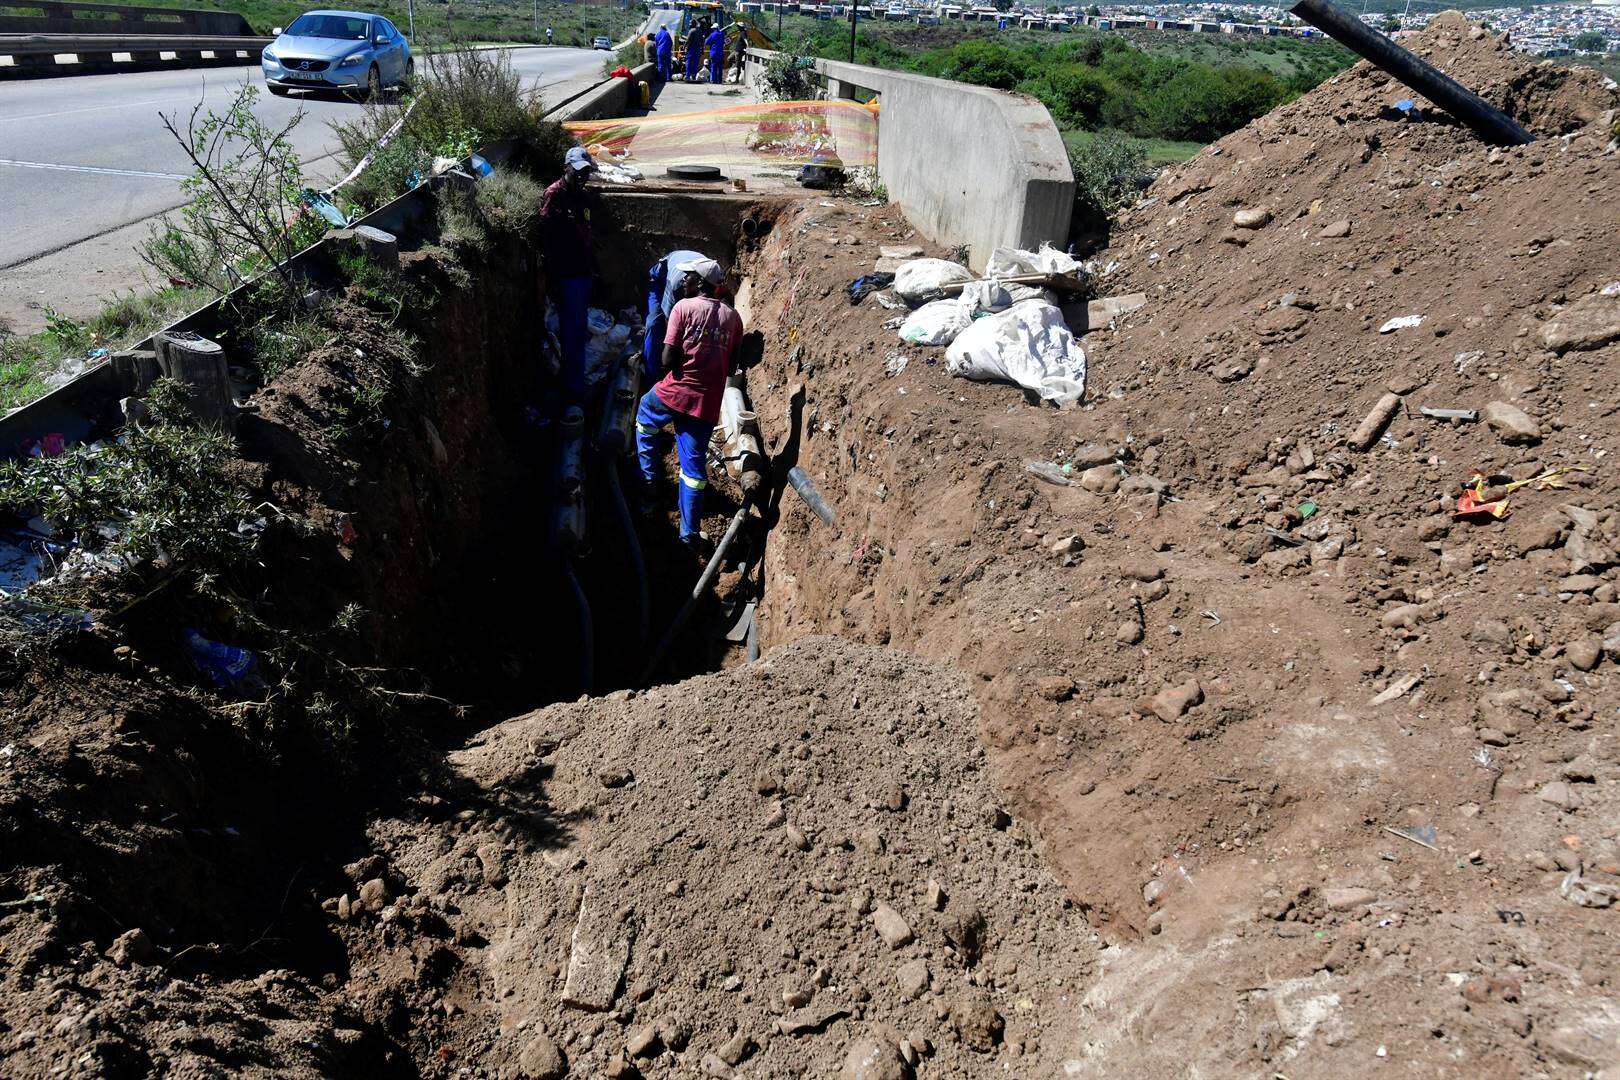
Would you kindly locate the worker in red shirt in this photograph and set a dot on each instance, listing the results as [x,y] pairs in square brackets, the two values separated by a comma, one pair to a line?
[700,353]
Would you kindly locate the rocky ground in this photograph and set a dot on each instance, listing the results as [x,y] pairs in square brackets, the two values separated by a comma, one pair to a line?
[1240,753]
[1332,770]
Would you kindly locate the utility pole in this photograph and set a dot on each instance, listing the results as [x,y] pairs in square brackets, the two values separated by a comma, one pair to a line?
[779,22]
[854,10]
[410,17]
[537,20]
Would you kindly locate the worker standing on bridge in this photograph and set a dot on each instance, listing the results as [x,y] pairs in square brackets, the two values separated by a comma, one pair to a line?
[694,49]
[700,353]
[663,49]
[717,55]
[565,230]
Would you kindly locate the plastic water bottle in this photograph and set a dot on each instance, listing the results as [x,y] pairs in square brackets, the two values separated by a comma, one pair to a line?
[221,664]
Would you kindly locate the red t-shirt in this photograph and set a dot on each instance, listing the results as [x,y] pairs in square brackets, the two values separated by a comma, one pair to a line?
[707,331]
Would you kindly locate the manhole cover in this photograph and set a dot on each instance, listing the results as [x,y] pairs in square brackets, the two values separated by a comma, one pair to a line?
[695,172]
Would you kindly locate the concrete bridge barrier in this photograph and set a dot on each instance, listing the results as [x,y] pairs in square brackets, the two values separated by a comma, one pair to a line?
[969,165]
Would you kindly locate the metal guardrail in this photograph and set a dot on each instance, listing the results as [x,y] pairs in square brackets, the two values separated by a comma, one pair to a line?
[106,44]
[77,17]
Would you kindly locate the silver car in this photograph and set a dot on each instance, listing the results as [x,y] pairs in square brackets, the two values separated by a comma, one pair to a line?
[338,50]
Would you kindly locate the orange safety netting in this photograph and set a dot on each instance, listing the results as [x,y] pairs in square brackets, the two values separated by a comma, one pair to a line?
[775,133]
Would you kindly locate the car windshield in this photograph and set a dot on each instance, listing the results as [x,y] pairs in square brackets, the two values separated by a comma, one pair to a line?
[339,27]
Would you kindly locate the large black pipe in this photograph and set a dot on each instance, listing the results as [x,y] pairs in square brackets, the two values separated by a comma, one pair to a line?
[1490,123]
[638,565]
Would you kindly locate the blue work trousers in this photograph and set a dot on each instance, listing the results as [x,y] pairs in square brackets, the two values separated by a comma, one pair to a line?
[717,65]
[652,346]
[573,332]
[664,62]
[691,444]
[694,60]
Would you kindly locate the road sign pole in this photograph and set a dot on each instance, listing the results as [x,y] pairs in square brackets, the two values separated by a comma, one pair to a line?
[410,17]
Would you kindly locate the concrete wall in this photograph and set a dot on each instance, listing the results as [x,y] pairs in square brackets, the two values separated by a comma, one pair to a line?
[968,165]
[605,100]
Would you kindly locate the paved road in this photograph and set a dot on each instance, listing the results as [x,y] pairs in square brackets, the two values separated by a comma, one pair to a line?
[85,155]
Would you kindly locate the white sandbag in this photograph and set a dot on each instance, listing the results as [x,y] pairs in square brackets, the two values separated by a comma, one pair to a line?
[598,321]
[1007,261]
[920,280]
[1028,344]
[986,297]
[937,323]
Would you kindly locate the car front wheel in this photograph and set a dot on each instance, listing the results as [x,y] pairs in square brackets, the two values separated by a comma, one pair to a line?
[374,86]
[410,74]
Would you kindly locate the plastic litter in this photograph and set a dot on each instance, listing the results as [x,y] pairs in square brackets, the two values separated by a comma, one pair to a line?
[921,280]
[937,323]
[221,664]
[1403,322]
[890,301]
[618,174]
[1030,345]
[598,321]
[1050,471]
[866,284]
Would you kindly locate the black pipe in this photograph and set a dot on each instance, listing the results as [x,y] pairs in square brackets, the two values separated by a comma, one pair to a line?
[587,630]
[637,564]
[806,490]
[704,580]
[1488,122]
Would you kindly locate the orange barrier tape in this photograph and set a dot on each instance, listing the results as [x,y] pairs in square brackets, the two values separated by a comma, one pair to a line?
[778,133]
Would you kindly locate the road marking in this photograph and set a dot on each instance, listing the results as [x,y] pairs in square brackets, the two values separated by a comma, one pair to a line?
[95,108]
[91,169]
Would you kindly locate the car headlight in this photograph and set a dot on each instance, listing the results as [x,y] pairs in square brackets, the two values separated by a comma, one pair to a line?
[269,57]
[352,59]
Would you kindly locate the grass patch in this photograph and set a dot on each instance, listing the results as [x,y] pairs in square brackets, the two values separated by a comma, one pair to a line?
[27,361]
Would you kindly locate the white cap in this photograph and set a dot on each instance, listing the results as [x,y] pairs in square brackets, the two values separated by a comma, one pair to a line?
[707,269]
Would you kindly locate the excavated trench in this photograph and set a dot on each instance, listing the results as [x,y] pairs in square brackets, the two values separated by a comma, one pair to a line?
[457,541]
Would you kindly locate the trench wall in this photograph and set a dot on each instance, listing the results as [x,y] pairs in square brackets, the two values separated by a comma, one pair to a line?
[969,165]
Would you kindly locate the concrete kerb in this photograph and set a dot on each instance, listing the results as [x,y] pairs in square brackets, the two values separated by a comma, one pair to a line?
[607,99]
[91,400]
[968,165]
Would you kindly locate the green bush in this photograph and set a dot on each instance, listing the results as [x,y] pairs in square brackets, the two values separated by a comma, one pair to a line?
[463,100]
[1108,169]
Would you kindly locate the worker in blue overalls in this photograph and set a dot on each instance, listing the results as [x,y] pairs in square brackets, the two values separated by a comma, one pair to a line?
[717,54]
[701,349]
[663,49]
[694,49]
[664,289]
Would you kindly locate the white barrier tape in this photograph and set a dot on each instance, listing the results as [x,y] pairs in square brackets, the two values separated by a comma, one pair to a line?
[388,137]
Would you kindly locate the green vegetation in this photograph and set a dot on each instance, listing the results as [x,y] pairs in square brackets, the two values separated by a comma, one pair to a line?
[463,100]
[1188,88]
[165,487]
[243,216]
[444,21]
[1589,41]
[25,361]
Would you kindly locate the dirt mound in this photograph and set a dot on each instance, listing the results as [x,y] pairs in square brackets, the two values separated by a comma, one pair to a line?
[774,867]
[1219,671]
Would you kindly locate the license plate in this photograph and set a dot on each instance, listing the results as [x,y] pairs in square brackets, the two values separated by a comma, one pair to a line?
[306,76]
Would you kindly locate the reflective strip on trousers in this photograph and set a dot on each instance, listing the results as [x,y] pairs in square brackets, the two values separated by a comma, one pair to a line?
[697,483]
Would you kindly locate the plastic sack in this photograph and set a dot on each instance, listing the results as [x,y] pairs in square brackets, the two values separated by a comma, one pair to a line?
[598,321]
[1028,344]
[1007,261]
[920,280]
[988,297]
[937,323]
